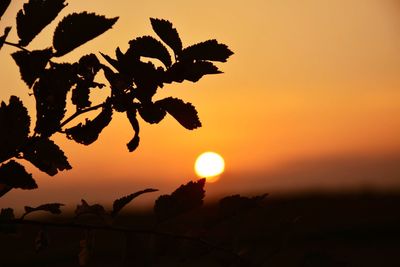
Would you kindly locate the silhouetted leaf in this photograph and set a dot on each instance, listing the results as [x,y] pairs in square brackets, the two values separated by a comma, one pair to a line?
[4,36]
[46,156]
[87,68]
[89,132]
[152,113]
[184,113]
[51,93]
[208,50]
[134,143]
[232,205]
[14,175]
[147,46]
[53,208]
[85,208]
[36,15]
[7,215]
[76,29]
[120,203]
[14,125]
[32,64]
[3,7]
[111,61]
[187,197]
[191,71]
[167,33]
[42,240]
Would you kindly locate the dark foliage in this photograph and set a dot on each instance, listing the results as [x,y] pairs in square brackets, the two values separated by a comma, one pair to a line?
[86,209]
[187,197]
[32,19]
[53,208]
[51,96]
[232,205]
[7,214]
[120,203]
[147,46]
[14,175]
[3,6]
[89,132]
[133,144]
[4,36]
[32,64]
[208,50]
[15,122]
[165,30]
[76,29]
[46,156]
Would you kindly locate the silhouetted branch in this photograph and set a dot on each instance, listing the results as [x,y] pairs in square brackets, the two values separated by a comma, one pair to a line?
[17,46]
[80,112]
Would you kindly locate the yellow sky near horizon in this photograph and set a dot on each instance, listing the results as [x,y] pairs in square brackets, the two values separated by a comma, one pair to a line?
[309,79]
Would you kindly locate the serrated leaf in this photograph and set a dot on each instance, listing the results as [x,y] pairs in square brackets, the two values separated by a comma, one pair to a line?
[191,71]
[53,208]
[14,175]
[14,124]
[165,30]
[111,61]
[208,50]
[187,197]
[32,64]
[184,113]
[134,143]
[4,36]
[50,92]
[120,203]
[7,215]
[3,7]
[152,113]
[35,15]
[78,28]
[89,132]
[147,46]
[46,156]
[85,208]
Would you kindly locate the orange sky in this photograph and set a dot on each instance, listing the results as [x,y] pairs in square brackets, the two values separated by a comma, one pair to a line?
[310,99]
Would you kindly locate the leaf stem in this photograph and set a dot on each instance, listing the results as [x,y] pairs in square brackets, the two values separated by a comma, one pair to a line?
[80,112]
[17,46]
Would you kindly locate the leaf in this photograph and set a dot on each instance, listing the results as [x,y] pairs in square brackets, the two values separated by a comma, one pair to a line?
[187,197]
[7,215]
[89,132]
[147,46]
[4,36]
[232,205]
[53,208]
[167,33]
[120,203]
[50,92]
[151,113]
[32,64]
[208,50]
[76,29]
[134,143]
[14,175]
[87,68]
[42,240]
[46,156]
[184,113]
[14,124]
[3,7]
[35,15]
[85,208]
[191,71]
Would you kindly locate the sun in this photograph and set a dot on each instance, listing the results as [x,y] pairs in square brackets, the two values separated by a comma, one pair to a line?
[209,165]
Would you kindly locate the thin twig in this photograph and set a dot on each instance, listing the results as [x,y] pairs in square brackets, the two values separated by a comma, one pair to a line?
[80,112]
[17,46]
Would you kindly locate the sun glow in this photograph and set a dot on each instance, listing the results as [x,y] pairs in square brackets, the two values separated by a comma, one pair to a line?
[209,165]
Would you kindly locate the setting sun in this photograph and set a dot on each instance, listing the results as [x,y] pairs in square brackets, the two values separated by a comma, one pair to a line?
[209,165]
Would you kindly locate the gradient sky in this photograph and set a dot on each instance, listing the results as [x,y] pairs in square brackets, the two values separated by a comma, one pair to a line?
[310,100]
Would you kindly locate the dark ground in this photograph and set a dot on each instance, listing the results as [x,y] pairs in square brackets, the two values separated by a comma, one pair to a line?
[309,230]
